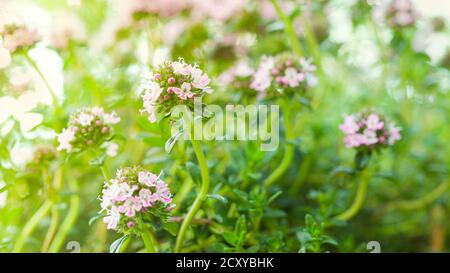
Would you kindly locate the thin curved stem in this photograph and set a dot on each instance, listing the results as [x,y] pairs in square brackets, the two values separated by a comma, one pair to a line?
[423,201]
[31,225]
[47,84]
[105,172]
[54,187]
[289,148]
[200,197]
[303,174]
[311,41]
[359,198]
[52,228]
[70,219]
[288,28]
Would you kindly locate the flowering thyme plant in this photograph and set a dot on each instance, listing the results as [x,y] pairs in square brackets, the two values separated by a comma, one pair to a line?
[171,84]
[398,13]
[133,197]
[285,75]
[18,37]
[369,131]
[88,128]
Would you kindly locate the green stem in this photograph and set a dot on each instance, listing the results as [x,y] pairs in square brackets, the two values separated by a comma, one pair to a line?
[105,172]
[181,195]
[289,148]
[70,219]
[288,28]
[311,40]
[359,199]
[148,242]
[200,197]
[147,237]
[421,202]
[54,187]
[303,174]
[51,229]
[31,225]
[103,167]
[50,89]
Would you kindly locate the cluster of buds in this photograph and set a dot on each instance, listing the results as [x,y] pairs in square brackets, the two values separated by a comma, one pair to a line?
[17,37]
[134,195]
[397,13]
[369,131]
[87,128]
[283,74]
[172,84]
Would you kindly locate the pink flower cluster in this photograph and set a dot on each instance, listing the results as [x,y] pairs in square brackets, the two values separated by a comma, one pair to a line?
[134,193]
[89,127]
[397,13]
[368,130]
[283,73]
[15,37]
[171,84]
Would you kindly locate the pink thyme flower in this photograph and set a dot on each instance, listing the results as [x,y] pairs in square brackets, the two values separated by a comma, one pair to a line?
[373,122]
[396,13]
[88,127]
[285,74]
[18,36]
[147,178]
[65,138]
[134,194]
[394,133]
[368,130]
[349,126]
[172,83]
[262,78]
[130,206]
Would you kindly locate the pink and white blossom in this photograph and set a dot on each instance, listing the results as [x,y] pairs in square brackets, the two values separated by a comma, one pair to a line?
[89,127]
[170,84]
[368,130]
[132,195]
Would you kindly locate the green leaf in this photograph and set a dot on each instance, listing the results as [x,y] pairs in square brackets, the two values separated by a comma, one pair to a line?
[117,244]
[274,196]
[230,238]
[95,218]
[99,161]
[309,221]
[342,170]
[217,197]
[362,159]
[4,188]
[304,237]
[172,140]
[171,227]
